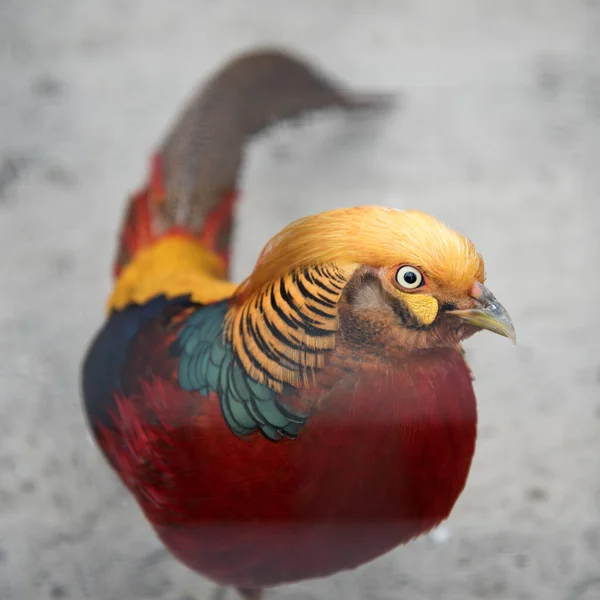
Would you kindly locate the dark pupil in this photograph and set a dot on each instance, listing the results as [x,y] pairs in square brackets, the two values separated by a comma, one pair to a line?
[410,277]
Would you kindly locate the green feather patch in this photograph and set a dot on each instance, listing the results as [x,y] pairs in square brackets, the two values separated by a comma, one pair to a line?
[208,363]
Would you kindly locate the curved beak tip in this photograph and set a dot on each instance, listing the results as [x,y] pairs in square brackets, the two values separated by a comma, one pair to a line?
[512,335]
[488,314]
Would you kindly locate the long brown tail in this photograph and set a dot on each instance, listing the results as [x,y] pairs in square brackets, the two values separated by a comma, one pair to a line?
[194,175]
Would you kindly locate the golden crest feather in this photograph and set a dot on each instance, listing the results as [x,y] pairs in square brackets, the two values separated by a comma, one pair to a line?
[369,235]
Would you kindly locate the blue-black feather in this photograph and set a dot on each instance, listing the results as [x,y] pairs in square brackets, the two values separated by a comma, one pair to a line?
[106,358]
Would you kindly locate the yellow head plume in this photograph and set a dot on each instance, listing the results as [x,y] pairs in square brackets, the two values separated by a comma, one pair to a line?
[369,235]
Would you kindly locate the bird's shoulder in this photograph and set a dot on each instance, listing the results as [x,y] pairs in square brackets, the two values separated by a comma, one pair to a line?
[207,363]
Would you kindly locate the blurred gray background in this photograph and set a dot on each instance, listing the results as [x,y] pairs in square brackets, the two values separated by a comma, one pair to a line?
[498,134]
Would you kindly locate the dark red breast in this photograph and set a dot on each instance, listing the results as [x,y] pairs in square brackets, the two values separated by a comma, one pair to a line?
[382,460]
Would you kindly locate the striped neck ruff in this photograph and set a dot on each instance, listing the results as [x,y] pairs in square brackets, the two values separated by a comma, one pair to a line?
[282,332]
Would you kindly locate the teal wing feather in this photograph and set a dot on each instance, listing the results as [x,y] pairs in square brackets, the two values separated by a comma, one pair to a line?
[207,362]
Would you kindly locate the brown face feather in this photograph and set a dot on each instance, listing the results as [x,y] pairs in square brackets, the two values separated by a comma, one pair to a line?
[376,317]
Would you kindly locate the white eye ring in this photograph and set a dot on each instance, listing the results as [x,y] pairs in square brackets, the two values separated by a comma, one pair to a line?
[409,277]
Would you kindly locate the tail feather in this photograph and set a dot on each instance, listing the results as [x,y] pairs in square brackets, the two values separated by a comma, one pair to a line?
[139,229]
[193,182]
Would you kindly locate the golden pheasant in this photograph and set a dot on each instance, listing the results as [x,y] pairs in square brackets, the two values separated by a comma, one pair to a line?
[317,415]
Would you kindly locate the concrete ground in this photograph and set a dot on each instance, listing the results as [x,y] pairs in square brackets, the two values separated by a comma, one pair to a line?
[498,134]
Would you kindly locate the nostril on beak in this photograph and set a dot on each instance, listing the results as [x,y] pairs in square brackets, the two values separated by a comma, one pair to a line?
[476,290]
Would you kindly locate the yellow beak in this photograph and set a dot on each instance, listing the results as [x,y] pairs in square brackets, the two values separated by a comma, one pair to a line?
[488,314]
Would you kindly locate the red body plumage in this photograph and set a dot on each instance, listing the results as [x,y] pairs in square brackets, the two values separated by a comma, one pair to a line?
[383,461]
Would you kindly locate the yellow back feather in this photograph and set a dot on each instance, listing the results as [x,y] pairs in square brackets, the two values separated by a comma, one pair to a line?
[173,266]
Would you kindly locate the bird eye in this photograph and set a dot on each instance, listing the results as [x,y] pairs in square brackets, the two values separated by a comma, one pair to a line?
[409,277]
